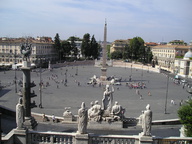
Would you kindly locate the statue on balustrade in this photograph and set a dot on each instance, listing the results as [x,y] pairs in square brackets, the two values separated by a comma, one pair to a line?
[20,114]
[83,119]
[147,121]
[117,111]
[95,112]
[107,99]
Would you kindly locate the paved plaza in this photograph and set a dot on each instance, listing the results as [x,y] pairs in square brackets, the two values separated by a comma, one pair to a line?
[57,96]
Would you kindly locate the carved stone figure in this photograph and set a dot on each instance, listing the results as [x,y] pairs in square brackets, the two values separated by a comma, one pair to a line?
[96,112]
[147,121]
[83,118]
[117,111]
[20,114]
[107,98]
[67,114]
[90,110]
[141,118]
[26,51]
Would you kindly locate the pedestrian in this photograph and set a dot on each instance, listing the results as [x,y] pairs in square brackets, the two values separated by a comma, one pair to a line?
[53,118]
[141,97]
[172,102]
[149,94]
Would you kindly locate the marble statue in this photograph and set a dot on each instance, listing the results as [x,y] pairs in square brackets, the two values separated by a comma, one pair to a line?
[147,121]
[90,110]
[83,119]
[20,114]
[117,111]
[96,112]
[107,98]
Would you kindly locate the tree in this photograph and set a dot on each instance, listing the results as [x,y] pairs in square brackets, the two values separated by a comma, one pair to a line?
[66,48]
[127,52]
[74,50]
[85,47]
[94,48]
[116,55]
[137,48]
[57,45]
[185,115]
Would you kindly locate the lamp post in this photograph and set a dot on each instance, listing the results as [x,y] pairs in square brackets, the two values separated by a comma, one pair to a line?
[76,71]
[40,88]
[66,77]
[167,88]
[142,74]
[15,71]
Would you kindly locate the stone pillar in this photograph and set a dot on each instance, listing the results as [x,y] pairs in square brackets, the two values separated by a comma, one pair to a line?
[26,88]
[29,121]
[20,136]
[104,69]
[82,138]
[0,128]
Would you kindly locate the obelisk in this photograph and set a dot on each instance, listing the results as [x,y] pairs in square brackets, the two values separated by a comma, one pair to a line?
[104,68]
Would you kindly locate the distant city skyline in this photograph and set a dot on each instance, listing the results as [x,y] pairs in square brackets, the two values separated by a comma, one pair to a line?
[152,20]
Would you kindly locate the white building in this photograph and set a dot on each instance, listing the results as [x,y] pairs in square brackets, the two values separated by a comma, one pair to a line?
[42,48]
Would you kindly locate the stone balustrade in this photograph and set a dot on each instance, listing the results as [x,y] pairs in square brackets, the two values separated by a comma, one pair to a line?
[36,137]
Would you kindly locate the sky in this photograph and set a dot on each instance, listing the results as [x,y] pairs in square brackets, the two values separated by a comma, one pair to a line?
[152,20]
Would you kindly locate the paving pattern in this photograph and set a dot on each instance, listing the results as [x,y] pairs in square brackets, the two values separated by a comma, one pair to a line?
[57,96]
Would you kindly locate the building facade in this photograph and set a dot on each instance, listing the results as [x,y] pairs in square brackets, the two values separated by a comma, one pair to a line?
[119,45]
[42,50]
[165,55]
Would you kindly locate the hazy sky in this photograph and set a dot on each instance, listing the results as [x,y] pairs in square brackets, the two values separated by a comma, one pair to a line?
[153,20]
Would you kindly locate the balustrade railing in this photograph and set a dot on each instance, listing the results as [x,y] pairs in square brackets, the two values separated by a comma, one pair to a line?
[51,137]
[172,140]
[112,139]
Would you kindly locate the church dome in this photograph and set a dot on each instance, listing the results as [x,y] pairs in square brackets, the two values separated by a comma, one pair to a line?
[188,54]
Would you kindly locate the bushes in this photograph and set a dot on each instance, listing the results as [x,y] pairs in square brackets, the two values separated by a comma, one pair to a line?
[185,115]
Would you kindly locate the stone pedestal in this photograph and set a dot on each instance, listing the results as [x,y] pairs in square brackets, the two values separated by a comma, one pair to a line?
[105,125]
[20,136]
[82,138]
[30,123]
[145,139]
[103,76]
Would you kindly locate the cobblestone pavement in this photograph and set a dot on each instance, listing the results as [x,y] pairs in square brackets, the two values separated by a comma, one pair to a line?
[57,96]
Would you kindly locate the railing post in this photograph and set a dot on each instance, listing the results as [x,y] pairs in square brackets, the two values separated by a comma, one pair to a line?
[82,139]
[145,139]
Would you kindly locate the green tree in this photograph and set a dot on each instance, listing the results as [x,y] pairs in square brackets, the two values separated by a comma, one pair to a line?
[127,52]
[137,48]
[57,45]
[94,48]
[74,50]
[185,115]
[85,47]
[66,48]
[116,55]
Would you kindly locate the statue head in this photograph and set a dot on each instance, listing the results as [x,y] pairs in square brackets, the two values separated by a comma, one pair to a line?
[96,102]
[107,87]
[83,105]
[20,100]
[92,103]
[148,107]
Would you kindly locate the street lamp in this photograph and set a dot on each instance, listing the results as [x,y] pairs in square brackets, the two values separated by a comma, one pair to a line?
[76,71]
[15,71]
[167,88]
[40,88]
[66,77]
